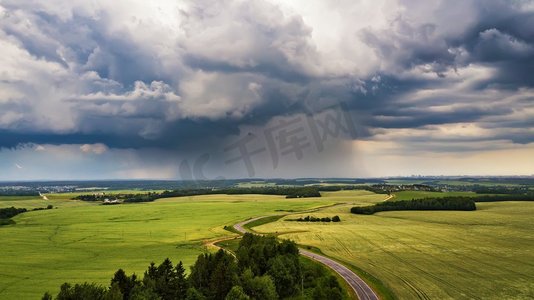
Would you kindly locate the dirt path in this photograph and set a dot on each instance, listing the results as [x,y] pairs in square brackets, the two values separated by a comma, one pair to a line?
[213,243]
[389,197]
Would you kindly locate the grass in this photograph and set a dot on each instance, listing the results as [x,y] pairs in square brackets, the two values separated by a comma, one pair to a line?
[483,254]
[262,221]
[23,201]
[57,199]
[82,241]
[230,245]
[355,197]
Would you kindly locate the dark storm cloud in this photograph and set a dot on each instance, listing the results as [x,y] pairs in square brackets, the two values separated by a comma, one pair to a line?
[128,81]
[499,35]
[179,135]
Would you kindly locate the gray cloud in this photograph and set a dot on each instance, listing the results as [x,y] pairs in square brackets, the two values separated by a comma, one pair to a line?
[191,75]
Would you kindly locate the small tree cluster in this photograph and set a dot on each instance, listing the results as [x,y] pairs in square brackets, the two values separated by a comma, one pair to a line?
[9,212]
[323,219]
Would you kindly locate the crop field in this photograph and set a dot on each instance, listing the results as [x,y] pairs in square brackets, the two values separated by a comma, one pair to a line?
[483,254]
[23,201]
[82,241]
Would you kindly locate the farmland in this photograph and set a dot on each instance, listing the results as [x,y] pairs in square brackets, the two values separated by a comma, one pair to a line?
[483,254]
[82,241]
[479,254]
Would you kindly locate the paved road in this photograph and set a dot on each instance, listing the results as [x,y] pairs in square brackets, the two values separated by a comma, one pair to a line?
[241,225]
[359,286]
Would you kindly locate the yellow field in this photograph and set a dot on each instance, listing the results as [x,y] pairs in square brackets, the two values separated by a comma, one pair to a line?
[484,254]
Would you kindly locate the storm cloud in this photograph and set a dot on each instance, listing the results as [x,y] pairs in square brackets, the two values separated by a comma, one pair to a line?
[186,76]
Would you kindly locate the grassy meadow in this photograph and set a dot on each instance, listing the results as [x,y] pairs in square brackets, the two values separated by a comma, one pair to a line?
[483,254]
[82,241]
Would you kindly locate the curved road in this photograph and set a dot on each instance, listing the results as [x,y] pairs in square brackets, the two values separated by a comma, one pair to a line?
[359,286]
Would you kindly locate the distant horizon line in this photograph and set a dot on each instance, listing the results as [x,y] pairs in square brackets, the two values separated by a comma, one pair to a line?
[272,178]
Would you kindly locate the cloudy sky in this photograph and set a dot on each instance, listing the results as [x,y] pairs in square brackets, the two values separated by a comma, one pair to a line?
[280,88]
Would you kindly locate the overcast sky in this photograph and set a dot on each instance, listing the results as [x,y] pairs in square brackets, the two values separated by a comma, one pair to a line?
[282,88]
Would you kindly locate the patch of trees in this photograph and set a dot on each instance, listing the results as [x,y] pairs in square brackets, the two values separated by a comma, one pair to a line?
[446,203]
[7,213]
[10,212]
[264,269]
[315,219]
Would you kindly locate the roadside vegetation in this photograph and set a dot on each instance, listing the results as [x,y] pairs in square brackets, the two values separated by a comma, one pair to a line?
[264,269]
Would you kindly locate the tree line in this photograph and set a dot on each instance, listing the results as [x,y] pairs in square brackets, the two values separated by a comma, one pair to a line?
[263,269]
[289,192]
[10,192]
[446,203]
[509,197]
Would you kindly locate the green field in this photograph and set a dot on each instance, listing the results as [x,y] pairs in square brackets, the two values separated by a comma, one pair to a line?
[483,254]
[23,201]
[82,241]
